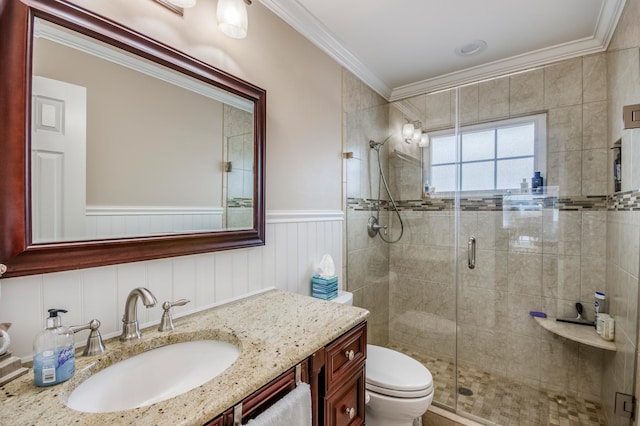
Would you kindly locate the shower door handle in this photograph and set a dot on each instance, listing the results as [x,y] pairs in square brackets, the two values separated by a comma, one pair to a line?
[471,252]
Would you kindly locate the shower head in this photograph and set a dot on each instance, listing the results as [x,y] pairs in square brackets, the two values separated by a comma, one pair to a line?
[377,145]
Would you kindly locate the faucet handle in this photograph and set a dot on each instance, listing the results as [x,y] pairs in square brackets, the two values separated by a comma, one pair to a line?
[94,344]
[166,322]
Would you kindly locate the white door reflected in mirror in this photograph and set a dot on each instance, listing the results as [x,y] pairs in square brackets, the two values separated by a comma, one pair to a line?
[157,142]
[58,151]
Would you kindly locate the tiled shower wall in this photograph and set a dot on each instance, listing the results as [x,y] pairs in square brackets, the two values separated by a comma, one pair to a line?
[564,261]
[623,252]
[583,98]
[366,115]
[573,93]
[537,260]
[623,218]
[541,259]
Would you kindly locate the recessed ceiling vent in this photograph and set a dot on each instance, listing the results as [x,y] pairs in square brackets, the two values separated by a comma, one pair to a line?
[471,48]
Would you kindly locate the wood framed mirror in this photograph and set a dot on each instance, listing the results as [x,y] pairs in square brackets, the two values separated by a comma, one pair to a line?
[153,207]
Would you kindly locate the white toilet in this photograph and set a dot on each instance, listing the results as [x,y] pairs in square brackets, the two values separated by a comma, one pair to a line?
[399,388]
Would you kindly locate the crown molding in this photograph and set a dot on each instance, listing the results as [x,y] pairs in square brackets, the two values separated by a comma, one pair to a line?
[294,14]
[604,29]
[306,24]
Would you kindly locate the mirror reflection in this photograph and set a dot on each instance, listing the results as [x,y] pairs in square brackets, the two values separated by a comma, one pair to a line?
[123,147]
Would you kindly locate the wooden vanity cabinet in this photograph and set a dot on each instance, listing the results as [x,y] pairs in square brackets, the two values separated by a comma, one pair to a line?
[344,385]
[336,375]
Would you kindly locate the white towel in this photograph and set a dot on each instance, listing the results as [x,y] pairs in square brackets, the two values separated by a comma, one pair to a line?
[294,409]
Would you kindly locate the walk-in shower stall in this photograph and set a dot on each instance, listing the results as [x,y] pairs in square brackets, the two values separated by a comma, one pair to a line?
[465,248]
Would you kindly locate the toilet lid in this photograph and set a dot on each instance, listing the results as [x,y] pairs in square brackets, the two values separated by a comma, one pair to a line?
[395,374]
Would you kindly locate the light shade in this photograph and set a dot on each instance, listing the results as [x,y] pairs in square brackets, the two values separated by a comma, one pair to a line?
[183,3]
[232,18]
[408,130]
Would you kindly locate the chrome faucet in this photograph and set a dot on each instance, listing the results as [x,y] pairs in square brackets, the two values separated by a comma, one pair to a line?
[130,327]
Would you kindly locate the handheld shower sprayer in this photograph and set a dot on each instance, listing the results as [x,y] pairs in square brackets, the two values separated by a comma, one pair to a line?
[377,145]
[373,226]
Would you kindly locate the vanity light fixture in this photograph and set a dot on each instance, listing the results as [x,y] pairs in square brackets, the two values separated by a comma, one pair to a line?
[424,141]
[232,17]
[407,132]
[412,132]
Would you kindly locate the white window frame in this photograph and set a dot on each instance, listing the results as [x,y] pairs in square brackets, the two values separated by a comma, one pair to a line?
[539,155]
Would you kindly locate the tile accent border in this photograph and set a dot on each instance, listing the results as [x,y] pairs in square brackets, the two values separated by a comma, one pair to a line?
[531,202]
[628,200]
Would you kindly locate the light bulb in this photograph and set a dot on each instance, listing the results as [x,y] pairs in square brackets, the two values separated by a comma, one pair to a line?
[417,134]
[232,18]
[424,141]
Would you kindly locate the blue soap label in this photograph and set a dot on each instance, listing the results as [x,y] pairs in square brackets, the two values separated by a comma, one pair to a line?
[53,367]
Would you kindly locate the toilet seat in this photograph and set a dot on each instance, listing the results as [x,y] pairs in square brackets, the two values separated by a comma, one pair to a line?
[395,374]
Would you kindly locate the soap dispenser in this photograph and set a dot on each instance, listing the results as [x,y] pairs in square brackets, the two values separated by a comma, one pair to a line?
[54,361]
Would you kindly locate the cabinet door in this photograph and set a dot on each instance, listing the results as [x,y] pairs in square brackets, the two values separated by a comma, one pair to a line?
[345,406]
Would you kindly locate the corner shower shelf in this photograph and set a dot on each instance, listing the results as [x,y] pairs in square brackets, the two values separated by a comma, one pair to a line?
[577,333]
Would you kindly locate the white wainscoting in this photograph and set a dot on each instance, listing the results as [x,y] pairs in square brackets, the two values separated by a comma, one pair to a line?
[131,221]
[296,241]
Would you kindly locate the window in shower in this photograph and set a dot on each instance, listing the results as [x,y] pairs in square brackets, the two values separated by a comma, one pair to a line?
[489,156]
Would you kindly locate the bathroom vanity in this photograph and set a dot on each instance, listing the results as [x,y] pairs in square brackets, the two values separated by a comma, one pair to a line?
[275,331]
[336,374]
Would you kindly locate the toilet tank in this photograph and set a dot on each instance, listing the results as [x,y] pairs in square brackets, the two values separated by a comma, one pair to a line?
[344,297]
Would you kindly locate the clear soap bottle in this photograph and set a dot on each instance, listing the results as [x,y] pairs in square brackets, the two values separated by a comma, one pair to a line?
[54,360]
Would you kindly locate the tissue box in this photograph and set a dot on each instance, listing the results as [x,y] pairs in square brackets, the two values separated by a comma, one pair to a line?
[324,288]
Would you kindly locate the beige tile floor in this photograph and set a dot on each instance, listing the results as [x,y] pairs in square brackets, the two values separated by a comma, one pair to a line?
[505,402]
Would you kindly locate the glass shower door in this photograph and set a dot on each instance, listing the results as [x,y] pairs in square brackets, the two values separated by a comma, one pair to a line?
[422,265]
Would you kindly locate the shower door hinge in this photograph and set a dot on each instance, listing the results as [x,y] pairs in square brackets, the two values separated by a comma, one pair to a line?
[624,405]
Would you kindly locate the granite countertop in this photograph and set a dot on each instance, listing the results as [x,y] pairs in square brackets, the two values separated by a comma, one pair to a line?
[274,331]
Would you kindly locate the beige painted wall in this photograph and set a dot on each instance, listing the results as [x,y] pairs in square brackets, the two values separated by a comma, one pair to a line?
[303,91]
[149,143]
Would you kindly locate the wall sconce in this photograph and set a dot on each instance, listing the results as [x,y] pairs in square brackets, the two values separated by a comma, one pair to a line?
[232,17]
[412,132]
[407,132]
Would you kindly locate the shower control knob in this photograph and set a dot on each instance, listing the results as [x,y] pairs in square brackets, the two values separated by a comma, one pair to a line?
[351,412]
[350,355]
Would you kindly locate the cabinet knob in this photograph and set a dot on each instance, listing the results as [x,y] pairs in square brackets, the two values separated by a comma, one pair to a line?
[351,412]
[350,354]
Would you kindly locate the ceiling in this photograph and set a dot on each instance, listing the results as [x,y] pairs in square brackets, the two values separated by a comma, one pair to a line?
[403,48]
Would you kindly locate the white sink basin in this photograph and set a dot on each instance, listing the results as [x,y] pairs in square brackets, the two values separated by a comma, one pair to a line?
[153,376]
